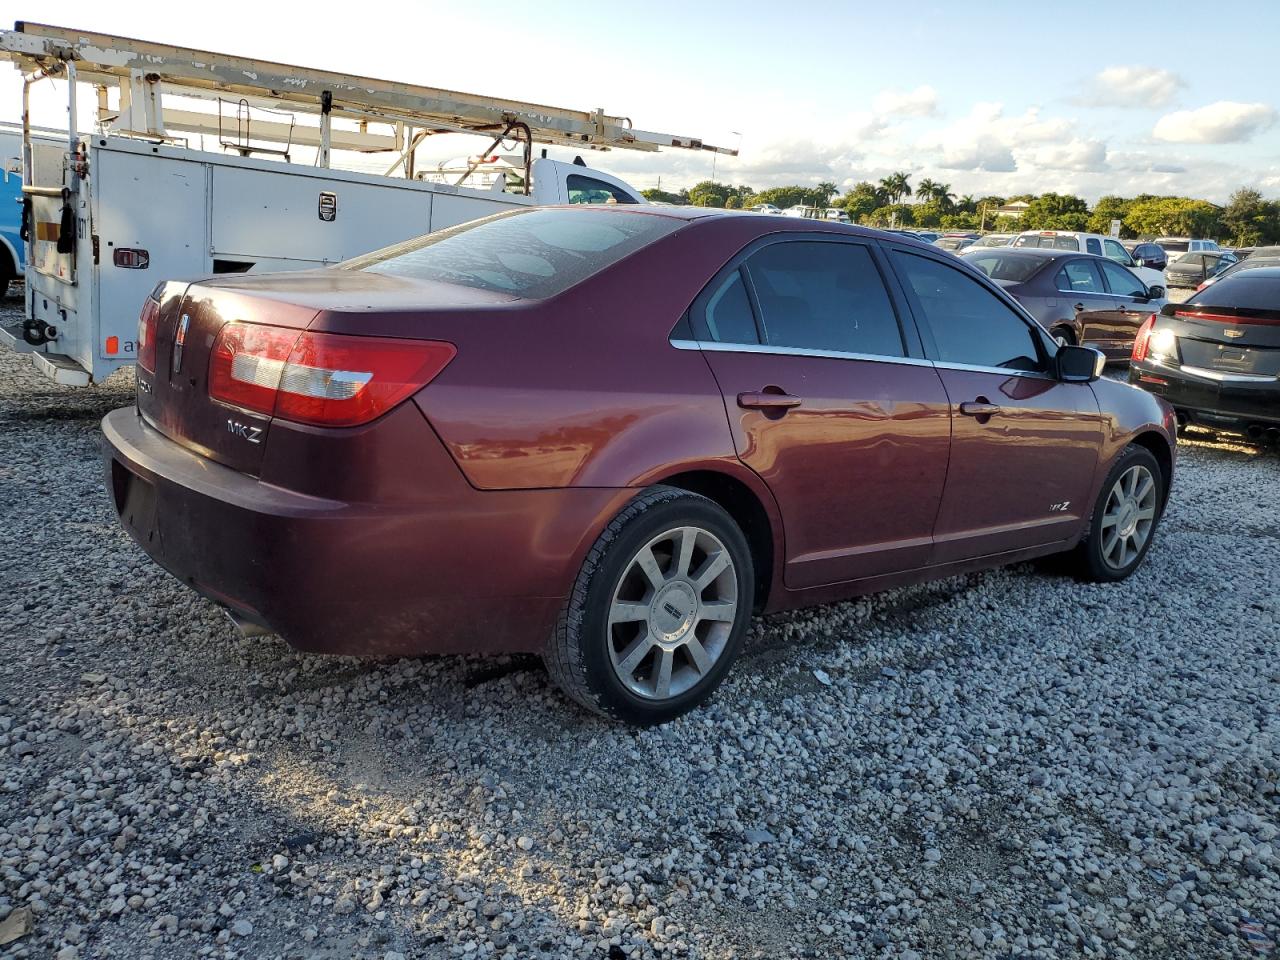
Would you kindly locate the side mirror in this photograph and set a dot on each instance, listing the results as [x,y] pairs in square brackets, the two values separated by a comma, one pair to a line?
[1156,292]
[1141,262]
[1079,364]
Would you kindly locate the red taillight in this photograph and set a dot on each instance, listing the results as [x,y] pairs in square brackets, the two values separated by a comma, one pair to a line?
[148,321]
[1143,340]
[326,379]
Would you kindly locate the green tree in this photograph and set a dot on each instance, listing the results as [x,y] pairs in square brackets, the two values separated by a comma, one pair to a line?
[1249,220]
[925,190]
[1176,216]
[654,195]
[784,197]
[900,214]
[863,200]
[927,213]
[897,185]
[967,204]
[1108,209]
[825,191]
[1055,211]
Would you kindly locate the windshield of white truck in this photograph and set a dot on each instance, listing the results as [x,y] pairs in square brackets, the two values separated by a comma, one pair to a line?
[533,254]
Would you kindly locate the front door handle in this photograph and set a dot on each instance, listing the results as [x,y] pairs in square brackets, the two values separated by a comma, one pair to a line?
[768,400]
[979,408]
[1079,308]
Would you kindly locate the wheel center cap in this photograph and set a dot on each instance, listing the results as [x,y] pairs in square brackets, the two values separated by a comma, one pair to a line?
[672,610]
[1127,521]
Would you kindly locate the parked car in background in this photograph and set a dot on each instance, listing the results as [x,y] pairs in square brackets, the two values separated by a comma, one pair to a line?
[995,240]
[1258,257]
[804,211]
[1175,246]
[928,236]
[1094,243]
[767,208]
[1216,357]
[333,455]
[954,243]
[1078,298]
[836,214]
[1193,269]
[1149,254]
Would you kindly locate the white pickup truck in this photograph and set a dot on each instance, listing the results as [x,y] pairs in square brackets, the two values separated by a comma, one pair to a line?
[1094,243]
[108,214]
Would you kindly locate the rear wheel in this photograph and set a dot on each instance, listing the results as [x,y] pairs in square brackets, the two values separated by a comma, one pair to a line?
[658,611]
[1125,517]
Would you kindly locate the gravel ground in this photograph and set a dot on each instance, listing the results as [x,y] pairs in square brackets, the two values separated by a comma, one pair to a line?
[1008,764]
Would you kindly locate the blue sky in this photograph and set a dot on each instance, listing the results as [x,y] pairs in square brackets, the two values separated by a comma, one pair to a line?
[992,96]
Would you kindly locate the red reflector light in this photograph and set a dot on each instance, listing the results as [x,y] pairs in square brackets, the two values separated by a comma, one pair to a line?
[147,324]
[131,259]
[1159,381]
[1143,340]
[326,379]
[113,345]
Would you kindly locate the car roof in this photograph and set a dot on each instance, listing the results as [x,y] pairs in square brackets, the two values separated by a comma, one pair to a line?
[1262,273]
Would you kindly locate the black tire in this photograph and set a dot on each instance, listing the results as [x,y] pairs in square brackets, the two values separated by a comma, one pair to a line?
[1091,559]
[580,656]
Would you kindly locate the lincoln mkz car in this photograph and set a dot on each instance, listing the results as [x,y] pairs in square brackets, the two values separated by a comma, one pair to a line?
[608,436]
[1077,297]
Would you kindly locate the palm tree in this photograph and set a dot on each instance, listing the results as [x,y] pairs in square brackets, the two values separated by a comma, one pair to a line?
[967,204]
[942,193]
[926,189]
[897,186]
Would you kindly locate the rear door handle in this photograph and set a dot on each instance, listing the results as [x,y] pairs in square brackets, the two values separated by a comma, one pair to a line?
[979,408]
[767,400]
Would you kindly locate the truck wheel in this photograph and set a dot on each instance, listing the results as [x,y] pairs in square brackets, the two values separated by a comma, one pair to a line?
[1125,518]
[1064,335]
[658,611]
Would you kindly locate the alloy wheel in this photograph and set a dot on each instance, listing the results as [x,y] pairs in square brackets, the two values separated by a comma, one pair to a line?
[1128,517]
[672,612]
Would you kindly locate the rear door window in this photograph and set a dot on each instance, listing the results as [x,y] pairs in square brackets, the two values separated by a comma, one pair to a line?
[532,254]
[824,296]
[969,323]
[1091,245]
[1079,276]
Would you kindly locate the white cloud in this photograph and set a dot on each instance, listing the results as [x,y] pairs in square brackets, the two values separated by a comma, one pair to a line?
[1077,154]
[920,102]
[1223,122]
[989,140]
[1132,87]
[985,153]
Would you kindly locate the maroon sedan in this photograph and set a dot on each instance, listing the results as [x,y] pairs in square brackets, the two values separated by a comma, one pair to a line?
[607,436]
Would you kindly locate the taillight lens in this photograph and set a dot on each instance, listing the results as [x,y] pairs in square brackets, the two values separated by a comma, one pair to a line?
[326,379]
[148,323]
[1143,341]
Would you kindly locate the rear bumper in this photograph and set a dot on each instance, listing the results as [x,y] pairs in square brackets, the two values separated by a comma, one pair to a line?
[473,572]
[1208,401]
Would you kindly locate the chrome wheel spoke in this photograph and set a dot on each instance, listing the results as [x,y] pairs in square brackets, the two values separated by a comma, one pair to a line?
[716,564]
[635,653]
[723,611]
[1148,514]
[661,676]
[622,611]
[1109,520]
[698,654]
[684,558]
[648,563]
[1146,485]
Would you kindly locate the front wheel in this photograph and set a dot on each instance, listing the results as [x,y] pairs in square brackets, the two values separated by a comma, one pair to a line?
[658,612]
[1125,517]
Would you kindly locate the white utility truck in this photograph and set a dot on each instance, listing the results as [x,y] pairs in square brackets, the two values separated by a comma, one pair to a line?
[109,214]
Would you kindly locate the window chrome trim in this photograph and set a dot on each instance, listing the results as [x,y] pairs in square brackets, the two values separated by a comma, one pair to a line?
[713,346]
[1002,371]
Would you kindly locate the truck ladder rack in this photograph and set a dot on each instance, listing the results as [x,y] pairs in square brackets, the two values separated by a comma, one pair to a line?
[134,65]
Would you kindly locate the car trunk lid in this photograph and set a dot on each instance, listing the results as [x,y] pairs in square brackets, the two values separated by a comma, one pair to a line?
[1227,340]
[176,398]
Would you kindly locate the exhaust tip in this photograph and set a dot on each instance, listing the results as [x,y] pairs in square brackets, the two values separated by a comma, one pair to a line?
[246,627]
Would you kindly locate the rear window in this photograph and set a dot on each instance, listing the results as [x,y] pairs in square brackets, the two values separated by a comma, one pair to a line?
[533,254]
[1245,290]
[1050,243]
[1174,246]
[999,266]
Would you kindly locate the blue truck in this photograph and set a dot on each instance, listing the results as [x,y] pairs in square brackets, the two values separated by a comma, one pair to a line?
[12,249]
